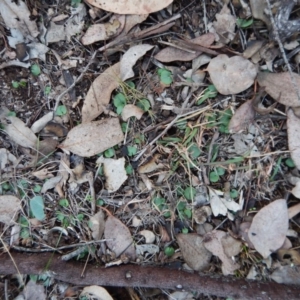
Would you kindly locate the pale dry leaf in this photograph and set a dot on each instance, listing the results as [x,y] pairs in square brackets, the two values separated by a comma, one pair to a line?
[130,58]
[231,75]
[91,138]
[131,110]
[231,246]
[43,174]
[105,31]
[280,87]
[51,183]
[6,159]
[290,256]
[178,295]
[9,207]
[286,275]
[170,54]
[224,27]
[294,210]
[149,248]
[193,251]
[293,125]
[119,239]
[97,292]
[243,232]
[243,116]
[217,206]
[131,6]
[258,9]
[213,243]
[148,235]
[296,190]
[150,166]
[39,124]
[269,227]
[99,93]
[97,225]
[34,291]
[114,172]
[19,132]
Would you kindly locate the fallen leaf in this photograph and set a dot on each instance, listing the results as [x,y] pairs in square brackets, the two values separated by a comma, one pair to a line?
[130,58]
[269,227]
[131,110]
[243,116]
[6,160]
[243,232]
[91,138]
[150,248]
[193,251]
[99,94]
[280,87]
[213,243]
[224,27]
[148,235]
[131,6]
[150,166]
[118,238]
[97,225]
[294,210]
[19,132]
[43,174]
[293,125]
[102,32]
[96,291]
[114,172]
[170,54]
[231,246]
[290,256]
[51,183]
[231,75]
[38,125]
[286,275]
[296,190]
[178,295]
[34,291]
[9,207]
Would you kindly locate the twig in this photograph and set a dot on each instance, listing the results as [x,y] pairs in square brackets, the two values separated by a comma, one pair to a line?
[148,277]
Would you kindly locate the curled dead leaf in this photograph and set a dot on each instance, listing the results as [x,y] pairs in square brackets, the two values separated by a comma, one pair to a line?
[131,110]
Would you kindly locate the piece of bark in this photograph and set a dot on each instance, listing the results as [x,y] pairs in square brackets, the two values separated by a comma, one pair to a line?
[148,277]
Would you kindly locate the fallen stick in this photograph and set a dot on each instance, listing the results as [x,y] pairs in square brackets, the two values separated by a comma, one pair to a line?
[141,276]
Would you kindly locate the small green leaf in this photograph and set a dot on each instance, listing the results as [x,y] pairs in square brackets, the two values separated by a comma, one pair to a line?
[37,188]
[63,202]
[100,202]
[119,101]
[220,171]
[15,84]
[194,151]
[181,205]
[75,3]
[185,230]
[47,90]
[158,201]
[190,193]
[37,207]
[234,194]
[61,110]
[244,23]
[165,76]
[35,70]
[188,213]
[130,84]
[290,163]
[214,176]
[129,169]
[124,127]
[132,150]
[169,251]
[109,153]
[144,104]
[80,217]
[23,83]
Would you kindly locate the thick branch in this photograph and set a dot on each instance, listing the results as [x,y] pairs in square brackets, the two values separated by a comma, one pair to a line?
[139,276]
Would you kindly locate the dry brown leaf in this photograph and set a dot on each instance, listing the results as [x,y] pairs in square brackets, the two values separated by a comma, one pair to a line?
[94,137]
[119,239]
[6,160]
[193,251]
[269,227]
[290,256]
[130,58]
[97,292]
[43,174]
[151,165]
[97,225]
[286,275]
[243,116]
[231,246]
[131,110]
[114,171]
[148,235]
[213,243]
[101,32]
[9,207]
[131,6]
[294,210]
[19,132]
[99,93]
[293,125]
[280,87]
[231,75]
[170,54]
[38,125]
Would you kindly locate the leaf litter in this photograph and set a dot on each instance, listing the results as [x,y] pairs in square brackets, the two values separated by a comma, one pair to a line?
[144,162]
